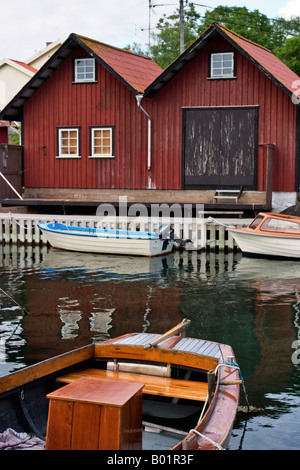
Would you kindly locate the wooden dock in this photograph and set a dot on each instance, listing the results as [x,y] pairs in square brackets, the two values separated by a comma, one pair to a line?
[206,234]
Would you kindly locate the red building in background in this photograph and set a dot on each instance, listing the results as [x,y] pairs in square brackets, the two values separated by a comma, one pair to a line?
[99,122]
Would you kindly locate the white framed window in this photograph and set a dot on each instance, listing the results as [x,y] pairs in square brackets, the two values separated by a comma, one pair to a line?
[84,70]
[102,142]
[222,65]
[68,142]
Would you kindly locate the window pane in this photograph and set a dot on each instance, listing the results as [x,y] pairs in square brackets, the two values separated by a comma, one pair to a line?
[68,143]
[217,71]
[217,60]
[222,64]
[102,142]
[84,70]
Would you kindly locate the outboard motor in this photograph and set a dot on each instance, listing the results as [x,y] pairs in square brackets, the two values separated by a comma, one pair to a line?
[165,232]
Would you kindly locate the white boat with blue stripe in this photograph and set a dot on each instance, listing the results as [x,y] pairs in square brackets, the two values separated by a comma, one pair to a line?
[96,240]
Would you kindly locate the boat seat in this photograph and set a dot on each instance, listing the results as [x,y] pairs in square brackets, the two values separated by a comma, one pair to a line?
[153,385]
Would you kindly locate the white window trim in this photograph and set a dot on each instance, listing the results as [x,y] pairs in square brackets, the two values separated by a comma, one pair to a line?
[215,77]
[59,135]
[101,155]
[84,80]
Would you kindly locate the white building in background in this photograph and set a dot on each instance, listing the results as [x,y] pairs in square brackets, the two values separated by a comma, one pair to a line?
[15,74]
[39,59]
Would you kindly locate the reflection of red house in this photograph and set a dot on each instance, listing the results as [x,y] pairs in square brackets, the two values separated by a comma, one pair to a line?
[274,332]
[212,113]
[78,312]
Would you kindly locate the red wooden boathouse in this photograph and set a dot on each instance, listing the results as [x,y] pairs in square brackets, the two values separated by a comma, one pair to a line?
[99,122]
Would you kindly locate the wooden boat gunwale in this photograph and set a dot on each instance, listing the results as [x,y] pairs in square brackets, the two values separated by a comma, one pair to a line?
[97,232]
[217,406]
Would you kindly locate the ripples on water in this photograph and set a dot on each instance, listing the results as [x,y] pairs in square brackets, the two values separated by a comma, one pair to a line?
[70,300]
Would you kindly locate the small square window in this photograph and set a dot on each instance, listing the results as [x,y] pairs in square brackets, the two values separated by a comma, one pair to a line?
[84,70]
[102,142]
[222,65]
[68,142]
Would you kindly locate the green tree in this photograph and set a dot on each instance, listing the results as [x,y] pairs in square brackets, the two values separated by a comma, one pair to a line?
[251,25]
[289,53]
[282,30]
[279,35]
[167,42]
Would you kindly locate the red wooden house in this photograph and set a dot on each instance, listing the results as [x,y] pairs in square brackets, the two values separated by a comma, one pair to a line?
[100,122]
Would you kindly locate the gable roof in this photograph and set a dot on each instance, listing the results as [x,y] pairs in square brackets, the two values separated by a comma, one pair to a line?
[21,66]
[135,71]
[44,53]
[261,57]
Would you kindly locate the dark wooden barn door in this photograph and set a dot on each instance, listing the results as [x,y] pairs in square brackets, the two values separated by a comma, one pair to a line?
[220,147]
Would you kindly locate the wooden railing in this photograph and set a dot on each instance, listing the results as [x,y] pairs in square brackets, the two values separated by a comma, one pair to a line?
[205,234]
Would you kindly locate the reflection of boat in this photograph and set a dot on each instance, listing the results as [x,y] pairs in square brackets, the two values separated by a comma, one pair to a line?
[103,395]
[257,269]
[95,240]
[130,266]
[270,235]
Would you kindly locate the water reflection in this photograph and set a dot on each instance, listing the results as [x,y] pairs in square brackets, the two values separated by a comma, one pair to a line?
[75,299]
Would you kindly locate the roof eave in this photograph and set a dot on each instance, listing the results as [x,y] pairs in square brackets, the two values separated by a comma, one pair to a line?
[14,109]
[105,65]
[254,61]
[192,50]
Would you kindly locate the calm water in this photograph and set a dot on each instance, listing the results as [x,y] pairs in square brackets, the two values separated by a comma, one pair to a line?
[70,300]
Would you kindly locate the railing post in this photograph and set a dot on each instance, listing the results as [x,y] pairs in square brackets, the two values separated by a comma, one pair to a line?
[269,176]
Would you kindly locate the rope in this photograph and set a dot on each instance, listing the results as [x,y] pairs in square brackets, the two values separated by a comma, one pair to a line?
[210,220]
[234,365]
[207,439]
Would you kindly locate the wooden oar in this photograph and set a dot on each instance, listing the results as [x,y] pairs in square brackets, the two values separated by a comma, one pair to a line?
[179,329]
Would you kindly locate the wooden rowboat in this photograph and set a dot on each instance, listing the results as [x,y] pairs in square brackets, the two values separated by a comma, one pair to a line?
[138,391]
[270,235]
[95,240]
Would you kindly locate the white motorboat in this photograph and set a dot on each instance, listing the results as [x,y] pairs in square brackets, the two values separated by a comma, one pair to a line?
[270,235]
[95,240]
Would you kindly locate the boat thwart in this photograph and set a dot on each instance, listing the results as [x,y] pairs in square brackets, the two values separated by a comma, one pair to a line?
[115,394]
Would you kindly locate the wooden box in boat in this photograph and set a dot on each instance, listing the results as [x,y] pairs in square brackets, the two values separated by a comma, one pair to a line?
[190,391]
[78,414]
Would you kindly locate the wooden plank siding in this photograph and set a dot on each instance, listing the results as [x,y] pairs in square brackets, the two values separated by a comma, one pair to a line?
[59,103]
[251,87]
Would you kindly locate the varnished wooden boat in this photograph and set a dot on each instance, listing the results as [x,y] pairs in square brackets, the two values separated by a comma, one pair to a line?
[138,391]
[270,235]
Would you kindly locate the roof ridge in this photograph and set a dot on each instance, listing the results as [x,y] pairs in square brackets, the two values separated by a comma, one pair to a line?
[227,30]
[126,51]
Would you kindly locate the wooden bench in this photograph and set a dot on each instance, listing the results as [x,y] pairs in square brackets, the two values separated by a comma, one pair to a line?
[153,385]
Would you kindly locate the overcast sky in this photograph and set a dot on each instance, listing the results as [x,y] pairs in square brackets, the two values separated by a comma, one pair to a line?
[26,26]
